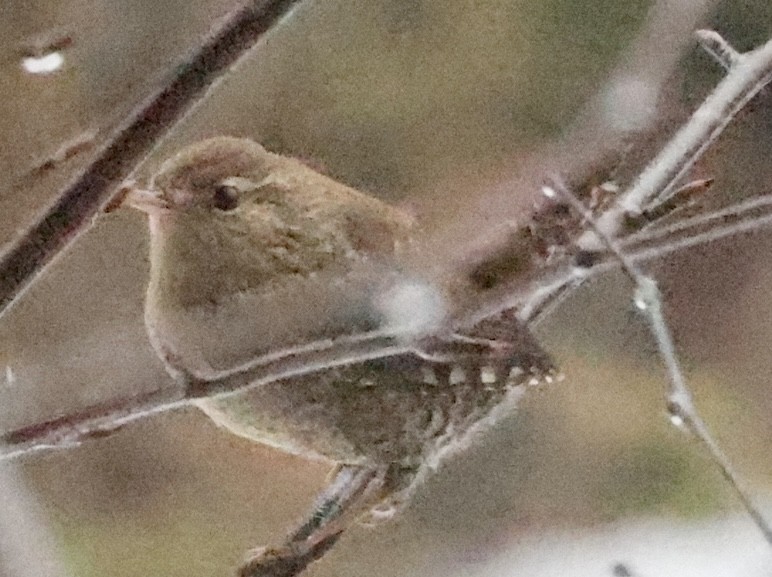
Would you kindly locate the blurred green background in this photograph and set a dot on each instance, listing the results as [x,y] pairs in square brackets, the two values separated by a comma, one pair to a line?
[420,102]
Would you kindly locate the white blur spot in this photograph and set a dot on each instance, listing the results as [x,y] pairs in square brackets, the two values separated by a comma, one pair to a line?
[629,103]
[610,186]
[534,381]
[457,376]
[640,303]
[412,306]
[715,544]
[487,375]
[677,421]
[10,377]
[514,373]
[44,64]
[548,191]
[429,376]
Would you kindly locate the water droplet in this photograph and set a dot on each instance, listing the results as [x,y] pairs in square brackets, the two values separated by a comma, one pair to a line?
[677,421]
[44,63]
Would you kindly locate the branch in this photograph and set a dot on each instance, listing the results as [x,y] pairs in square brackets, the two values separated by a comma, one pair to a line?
[101,420]
[92,189]
[680,403]
[747,75]
[751,72]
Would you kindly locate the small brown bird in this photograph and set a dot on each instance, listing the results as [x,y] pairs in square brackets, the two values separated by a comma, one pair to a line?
[252,252]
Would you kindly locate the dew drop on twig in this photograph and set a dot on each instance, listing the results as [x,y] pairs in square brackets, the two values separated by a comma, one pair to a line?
[677,421]
[45,53]
[45,64]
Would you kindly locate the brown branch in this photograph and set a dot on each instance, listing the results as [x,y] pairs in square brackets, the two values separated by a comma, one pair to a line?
[104,419]
[92,189]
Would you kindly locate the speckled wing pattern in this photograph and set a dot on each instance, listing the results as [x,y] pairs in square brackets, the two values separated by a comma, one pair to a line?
[402,414]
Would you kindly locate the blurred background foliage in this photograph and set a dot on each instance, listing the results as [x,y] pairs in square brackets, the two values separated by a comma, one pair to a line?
[413,101]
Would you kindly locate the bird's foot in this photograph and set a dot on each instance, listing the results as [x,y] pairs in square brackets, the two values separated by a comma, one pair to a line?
[287,560]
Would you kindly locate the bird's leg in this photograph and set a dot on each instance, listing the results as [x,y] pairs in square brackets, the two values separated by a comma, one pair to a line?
[351,491]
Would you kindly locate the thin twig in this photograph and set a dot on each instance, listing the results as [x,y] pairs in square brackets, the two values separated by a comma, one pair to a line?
[747,216]
[718,48]
[92,189]
[101,420]
[680,403]
[536,302]
[749,74]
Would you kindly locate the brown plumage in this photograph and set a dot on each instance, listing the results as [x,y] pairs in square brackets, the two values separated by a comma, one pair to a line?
[251,252]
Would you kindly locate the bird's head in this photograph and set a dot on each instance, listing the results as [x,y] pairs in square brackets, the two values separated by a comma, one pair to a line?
[227,216]
[214,176]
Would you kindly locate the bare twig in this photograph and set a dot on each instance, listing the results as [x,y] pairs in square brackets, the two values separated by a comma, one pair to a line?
[744,217]
[749,74]
[92,189]
[718,48]
[680,403]
[101,420]
[538,301]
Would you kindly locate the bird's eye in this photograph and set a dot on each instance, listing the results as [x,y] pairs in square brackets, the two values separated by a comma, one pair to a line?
[225,197]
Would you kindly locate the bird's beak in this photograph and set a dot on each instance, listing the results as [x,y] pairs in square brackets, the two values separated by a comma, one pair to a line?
[147,201]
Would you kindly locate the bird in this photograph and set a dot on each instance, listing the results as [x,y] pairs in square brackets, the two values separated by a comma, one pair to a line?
[252,251]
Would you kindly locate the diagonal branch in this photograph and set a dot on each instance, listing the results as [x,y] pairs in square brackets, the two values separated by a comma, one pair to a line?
[680,402]
[748,74]
[104,419]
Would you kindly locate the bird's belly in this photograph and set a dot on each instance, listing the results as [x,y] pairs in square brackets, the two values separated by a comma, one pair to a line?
[244,326]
